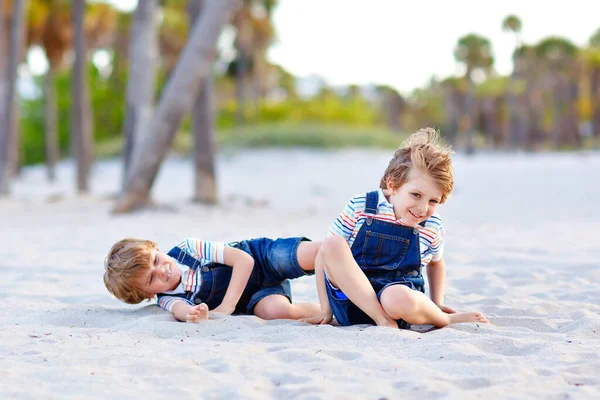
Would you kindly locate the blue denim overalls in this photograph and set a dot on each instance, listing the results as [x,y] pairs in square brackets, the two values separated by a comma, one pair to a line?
[388,254]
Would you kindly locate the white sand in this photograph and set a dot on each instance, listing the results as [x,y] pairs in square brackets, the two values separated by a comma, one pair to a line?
[523,243]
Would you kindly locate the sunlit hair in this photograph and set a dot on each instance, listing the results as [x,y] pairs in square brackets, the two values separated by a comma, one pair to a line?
[424,152]
[127,260]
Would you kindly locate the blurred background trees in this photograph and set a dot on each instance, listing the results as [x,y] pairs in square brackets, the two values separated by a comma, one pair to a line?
[106,71]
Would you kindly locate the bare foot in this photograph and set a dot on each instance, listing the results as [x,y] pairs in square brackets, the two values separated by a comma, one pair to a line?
[467,317]
[197,313]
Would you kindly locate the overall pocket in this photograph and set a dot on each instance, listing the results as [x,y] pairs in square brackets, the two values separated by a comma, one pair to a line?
[381,251]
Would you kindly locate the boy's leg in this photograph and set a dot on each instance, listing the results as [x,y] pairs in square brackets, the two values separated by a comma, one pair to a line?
[343,272]
[277,306]
[306,253]
[401,302]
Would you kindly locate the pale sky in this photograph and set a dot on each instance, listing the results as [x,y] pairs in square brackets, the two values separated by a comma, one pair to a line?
[403,43]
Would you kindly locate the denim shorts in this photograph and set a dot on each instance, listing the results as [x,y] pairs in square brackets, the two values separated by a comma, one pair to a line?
[347,313]
[275,262]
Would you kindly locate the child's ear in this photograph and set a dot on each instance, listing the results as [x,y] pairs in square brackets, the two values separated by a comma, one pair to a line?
[389,185]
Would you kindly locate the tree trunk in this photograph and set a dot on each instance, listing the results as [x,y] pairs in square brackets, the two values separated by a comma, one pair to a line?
[4,80]
[470,112]
[51,124]
[143,50]
[205,189]
[240,85]
[177,98]
[595,100]
[8,121]
[81,113]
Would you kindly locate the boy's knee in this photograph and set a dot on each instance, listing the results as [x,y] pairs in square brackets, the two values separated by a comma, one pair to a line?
[333,245]
[273,309]
[398,300]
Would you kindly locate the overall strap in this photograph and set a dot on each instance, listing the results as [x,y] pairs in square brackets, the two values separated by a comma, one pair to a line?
[183,258]
[371,205]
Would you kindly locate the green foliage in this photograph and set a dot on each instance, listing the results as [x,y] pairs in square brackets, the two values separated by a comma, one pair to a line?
[494,86]
[475,52]
[512,23]
[555,50]
[108,108]
[309,135]
[327,109]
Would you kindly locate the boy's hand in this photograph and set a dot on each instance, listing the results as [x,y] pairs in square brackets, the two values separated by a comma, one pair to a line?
[225,309]
[320,319]
[197,313]
[446,309]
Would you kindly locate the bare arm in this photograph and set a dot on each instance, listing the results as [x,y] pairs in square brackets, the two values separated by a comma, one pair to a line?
[325,316]
[242,264]
[436,275]
[187,313]
[326,313]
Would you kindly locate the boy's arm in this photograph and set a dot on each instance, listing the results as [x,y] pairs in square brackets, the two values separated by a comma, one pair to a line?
[242,264]
[436,275]
[183,311]
[326,315]
[186,313]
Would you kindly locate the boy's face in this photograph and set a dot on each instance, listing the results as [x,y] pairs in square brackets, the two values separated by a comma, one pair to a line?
[162,275]
[417,199]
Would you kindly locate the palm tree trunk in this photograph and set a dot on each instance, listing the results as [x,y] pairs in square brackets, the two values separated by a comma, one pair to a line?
[205,189]
[81,113]
[470,112]
[595,93]
[177,98]
[4,185]
[8,120]
[143,51]
[240,85]
[51,124]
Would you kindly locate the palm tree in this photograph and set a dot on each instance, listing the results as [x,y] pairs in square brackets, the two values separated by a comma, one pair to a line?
[515,125]
[242,20]
[559,56]
[55,34]
[176,99]
[475,52]
[9,129]
[143,49]
[81,121]
[205,188]
[512,23]
[262,37]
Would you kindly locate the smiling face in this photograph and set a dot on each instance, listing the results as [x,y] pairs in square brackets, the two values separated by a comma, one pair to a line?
[162,275]
[416,200]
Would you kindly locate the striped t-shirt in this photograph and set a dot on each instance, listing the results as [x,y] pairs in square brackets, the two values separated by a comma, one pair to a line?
[191,279]
[352,218]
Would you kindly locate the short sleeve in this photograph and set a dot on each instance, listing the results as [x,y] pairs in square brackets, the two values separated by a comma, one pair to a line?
[167,302]
[437,245]
[344,224]
[203,249]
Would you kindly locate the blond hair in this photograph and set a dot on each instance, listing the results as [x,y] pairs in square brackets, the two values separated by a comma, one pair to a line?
[126,261]
[424,152]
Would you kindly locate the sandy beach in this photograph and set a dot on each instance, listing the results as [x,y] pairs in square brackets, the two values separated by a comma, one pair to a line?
[522,246]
